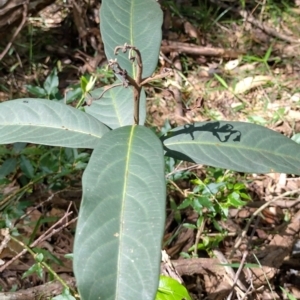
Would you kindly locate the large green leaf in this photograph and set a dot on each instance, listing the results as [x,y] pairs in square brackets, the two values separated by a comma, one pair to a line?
[48,122]
[137,23]
[237,146]
[115,108]
[121,220]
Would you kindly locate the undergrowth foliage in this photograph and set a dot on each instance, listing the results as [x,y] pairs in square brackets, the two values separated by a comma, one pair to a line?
[117,248]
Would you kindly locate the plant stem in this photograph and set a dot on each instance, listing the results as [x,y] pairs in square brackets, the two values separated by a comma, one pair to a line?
[45,265]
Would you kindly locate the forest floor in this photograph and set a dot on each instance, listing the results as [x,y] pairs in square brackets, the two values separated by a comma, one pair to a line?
[231,63]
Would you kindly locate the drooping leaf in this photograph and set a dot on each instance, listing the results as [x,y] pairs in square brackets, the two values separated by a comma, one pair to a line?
[121,220]
[136,23]
[47,122]
[237,146]
[115,108]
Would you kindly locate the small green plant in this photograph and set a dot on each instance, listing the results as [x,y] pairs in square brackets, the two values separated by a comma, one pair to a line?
[211,199]
[117,248]
[34,164]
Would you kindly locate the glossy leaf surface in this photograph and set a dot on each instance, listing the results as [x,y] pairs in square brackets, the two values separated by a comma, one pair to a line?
[171,289]
[236,146]
[121,221]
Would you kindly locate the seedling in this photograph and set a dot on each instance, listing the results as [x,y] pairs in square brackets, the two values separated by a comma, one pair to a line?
[117,247]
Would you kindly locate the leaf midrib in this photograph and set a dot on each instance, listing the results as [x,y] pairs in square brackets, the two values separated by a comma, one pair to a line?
[126,173]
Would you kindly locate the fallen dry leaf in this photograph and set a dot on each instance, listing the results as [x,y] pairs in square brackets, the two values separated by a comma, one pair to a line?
[232,64]
[251,82]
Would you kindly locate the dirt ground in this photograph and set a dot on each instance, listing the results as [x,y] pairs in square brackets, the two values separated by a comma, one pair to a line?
[230,63]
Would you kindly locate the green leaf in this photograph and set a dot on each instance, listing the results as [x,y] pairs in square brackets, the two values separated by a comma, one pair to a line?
[36,90]
[136,23]
[34,269]
[51,83]
[47,122]
[185,203]
[115,108]
[203,201]
[121,220]
[83,83]
[236,146]
[72,94]
[64,296]
[7,167]
[234,200]
[221,80]
[188,225]
[239,186]
[19,147]
[296,138]
[39,257]
[26,167]
[171,289]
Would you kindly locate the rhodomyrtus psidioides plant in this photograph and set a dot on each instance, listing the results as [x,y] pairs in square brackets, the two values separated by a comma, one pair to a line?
[121,220]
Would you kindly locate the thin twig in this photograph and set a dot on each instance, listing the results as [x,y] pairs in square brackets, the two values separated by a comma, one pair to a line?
[43,237]
[240,287]
[237,274]
[105,89]
[198,235]
[135,82]
[24,17]
[256,213]
[178,188]
[250,19]
[184,169]
[22,189]
[45,265]
[166,73]
[138,82]
[44,291]
[188,48]
[5,233]
[34,208]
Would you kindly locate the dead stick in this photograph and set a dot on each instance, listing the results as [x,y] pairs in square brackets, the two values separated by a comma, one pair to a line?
[170,46]
[44,291]
[256,213]
[24,16]
[36,242]
[250,19]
